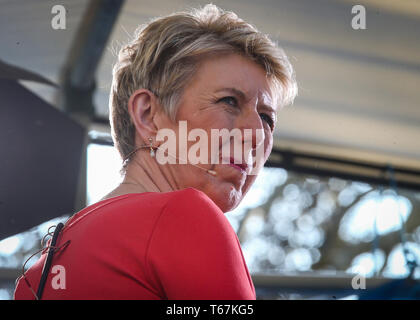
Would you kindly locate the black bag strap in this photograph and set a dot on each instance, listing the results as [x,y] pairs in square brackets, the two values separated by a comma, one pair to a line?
[48,261]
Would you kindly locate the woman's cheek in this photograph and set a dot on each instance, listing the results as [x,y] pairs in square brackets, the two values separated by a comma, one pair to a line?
[248,183]
[268,145]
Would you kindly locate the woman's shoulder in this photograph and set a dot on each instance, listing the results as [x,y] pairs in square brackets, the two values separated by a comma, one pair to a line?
[192,199]
[148,203]
[191,196]
[191,207]
[184,198]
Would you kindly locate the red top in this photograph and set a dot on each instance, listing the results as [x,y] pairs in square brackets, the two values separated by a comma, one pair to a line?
[173,245]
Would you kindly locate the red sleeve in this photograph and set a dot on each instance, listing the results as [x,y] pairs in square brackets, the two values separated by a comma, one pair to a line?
[195,254]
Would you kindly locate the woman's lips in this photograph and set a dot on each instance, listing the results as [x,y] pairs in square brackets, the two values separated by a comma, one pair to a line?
[243,167]
[237,167]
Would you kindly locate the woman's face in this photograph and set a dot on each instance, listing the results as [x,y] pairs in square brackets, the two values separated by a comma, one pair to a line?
[227,92]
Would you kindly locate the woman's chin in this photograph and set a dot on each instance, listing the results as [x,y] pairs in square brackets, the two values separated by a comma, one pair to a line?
[225,196]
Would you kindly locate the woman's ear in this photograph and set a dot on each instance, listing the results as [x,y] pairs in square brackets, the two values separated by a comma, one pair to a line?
[142,107]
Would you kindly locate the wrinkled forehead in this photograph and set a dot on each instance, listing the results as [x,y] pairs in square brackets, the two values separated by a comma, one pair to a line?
[275,92]
[240,74]
[265,96]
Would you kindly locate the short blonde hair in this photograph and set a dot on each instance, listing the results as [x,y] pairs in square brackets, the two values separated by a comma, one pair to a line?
[165,53]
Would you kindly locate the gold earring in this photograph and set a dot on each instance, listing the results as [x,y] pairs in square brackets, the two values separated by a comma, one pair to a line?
[152,151]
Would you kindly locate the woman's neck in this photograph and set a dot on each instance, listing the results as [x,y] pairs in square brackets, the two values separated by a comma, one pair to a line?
[145,174]
[150,176]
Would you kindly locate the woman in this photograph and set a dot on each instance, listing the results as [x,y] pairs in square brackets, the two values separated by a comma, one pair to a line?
[162,233]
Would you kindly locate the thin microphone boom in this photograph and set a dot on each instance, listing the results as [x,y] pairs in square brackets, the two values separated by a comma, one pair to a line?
[212,172]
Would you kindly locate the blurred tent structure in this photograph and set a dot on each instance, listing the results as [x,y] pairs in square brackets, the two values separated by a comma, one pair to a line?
[32,137]
[356,119]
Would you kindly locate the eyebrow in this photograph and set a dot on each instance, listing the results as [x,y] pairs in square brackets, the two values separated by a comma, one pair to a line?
[243,97]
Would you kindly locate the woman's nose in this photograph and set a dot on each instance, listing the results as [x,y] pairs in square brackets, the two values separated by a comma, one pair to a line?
[251,127]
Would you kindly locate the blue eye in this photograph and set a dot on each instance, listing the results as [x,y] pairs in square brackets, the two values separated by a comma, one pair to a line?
[230,101]
[267,119]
